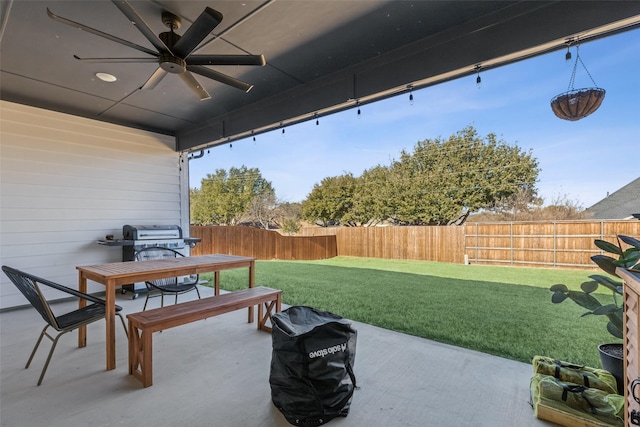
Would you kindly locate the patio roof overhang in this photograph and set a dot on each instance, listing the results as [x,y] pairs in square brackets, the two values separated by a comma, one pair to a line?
[322,57]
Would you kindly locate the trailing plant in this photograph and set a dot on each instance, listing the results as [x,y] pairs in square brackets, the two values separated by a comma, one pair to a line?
[626,258]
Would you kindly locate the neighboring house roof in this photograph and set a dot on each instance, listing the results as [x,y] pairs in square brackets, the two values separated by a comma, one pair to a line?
[621,204]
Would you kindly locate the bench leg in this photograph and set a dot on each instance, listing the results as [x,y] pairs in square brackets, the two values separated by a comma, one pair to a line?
[140,355]
[133,345]
[265,311]
[261,318]
[147,354]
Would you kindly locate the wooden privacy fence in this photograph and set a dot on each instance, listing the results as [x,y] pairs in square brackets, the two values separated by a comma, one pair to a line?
[445,244]
[418,243]
[566,244]
[261,244]
[542,244]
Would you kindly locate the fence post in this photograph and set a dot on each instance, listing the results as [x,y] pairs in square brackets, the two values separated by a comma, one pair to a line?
[476,242]
[511,242]
[555,244]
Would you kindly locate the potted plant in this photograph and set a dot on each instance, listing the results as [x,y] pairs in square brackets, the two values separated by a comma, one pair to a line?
[611,355]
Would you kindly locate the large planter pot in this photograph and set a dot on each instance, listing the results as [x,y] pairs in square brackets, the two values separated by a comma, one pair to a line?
[612,358]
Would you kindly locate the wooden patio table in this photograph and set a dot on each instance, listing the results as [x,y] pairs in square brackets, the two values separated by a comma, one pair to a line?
[116,274]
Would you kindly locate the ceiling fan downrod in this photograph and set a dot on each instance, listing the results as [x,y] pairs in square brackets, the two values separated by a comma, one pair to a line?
[167,61]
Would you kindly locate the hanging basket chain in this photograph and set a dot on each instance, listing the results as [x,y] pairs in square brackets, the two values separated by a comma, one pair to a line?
[588,73]
[576,104]
[575,66]
[573,73]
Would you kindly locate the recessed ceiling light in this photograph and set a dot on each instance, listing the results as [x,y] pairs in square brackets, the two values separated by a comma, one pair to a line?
[106,77]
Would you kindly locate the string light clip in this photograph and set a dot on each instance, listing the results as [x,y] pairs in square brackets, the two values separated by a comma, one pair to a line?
[477,68]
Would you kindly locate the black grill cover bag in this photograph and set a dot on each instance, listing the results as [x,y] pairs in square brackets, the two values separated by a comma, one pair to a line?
[312,378]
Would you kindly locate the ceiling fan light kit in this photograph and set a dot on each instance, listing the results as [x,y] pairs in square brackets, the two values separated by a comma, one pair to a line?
[173,51]
[106,77]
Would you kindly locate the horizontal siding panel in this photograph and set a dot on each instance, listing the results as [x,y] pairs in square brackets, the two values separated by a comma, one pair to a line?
[11,217]
[113,181]
[68,166]
[19,121]
[86,192]
[58,249]
[29,202]
[78,234]
[66,182]
[83,146]
[101,227]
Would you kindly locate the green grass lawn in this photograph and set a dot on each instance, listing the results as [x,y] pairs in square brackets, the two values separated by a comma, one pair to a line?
[505,311]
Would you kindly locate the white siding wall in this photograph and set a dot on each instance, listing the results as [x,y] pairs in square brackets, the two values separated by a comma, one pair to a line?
[66,182]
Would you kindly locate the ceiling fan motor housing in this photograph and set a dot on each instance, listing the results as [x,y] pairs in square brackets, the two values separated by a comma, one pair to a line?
[169,62]
[172,64]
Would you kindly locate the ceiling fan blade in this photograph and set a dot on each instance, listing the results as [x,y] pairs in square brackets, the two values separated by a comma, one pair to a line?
[99,33]
[201,27]
[154,79]
[142,26]
[226,60]
[117,60]
[194,85]
[222,78]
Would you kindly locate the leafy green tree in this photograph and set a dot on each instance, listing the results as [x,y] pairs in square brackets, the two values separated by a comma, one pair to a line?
[224,197]
[373,200]
[443,181]
[290,226]
[330,202]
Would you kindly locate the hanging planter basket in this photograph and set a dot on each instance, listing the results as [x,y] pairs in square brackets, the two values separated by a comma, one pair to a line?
[578,103]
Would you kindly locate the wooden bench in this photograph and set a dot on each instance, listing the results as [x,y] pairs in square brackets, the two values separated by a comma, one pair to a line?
[143,324]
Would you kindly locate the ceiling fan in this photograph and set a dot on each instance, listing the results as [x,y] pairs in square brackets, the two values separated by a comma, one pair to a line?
[173,53]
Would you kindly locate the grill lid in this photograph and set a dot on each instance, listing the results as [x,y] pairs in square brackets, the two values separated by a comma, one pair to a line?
[151,232]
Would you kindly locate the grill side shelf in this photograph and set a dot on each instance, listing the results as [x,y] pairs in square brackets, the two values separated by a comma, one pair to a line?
[118,242]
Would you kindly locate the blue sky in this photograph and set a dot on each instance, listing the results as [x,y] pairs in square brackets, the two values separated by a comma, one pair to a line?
[580,161]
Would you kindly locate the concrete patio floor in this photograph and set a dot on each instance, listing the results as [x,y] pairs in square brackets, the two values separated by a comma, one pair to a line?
[216,373]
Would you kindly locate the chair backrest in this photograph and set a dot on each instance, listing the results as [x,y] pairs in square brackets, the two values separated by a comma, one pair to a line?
[156,253]
[28,285]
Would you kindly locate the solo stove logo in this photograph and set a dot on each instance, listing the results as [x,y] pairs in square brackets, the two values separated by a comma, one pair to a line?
[330,350]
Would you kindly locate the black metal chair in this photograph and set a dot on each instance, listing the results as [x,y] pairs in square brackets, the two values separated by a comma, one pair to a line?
[30,286]
[172,285]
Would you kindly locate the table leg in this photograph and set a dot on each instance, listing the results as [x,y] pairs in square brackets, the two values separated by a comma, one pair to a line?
[110,319]
[252,281]
[216,283]
[82,331]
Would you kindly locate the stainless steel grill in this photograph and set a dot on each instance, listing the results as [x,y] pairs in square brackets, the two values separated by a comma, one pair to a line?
[136,237]
[145,236]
